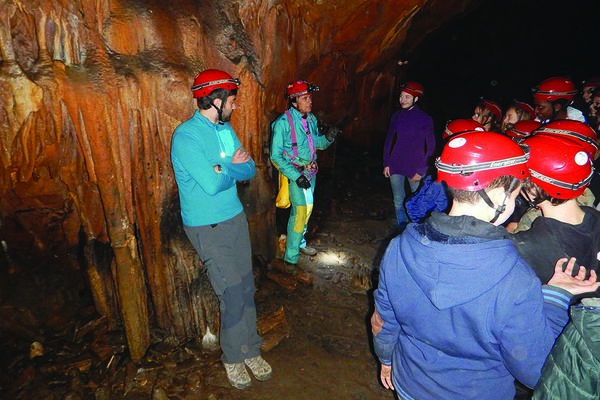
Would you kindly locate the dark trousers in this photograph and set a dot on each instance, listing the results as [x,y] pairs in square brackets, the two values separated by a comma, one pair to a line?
[225,251]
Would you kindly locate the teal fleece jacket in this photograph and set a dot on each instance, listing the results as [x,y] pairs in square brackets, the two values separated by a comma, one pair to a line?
[206,196]
[282,143]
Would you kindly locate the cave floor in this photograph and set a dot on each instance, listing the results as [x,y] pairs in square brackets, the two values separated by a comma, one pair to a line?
[326,351]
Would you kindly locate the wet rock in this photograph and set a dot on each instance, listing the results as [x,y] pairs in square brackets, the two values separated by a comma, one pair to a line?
[103,393]
[19,322]
[210,341]
[98,324]
[36,349]
[158,393]
[72,395]
[25,378]
[284,279]
[193,384]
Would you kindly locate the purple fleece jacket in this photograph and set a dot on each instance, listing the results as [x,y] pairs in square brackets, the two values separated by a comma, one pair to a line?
[409,142]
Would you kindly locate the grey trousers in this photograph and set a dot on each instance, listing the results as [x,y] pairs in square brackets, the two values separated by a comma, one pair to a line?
[225,251]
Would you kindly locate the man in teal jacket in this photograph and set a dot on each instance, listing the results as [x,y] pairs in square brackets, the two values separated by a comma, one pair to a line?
[208,160]
[296,139]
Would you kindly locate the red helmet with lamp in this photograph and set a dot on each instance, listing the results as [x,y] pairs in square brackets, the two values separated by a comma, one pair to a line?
[559,165]
[459,126]
[299,88]
[526,108]
[473,160]
[493,107]
[413,88]
[555,88]
[523,128]
[574,130]
[211,79]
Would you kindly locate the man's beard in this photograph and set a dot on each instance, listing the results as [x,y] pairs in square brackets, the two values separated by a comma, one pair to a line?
[226,117]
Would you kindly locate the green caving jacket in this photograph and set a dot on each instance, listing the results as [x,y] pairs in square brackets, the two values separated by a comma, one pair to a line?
[572,370]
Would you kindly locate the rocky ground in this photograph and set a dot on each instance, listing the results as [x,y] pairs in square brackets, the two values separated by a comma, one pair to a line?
[323,347]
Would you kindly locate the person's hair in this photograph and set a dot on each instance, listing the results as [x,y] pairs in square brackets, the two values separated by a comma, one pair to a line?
[464,196]
[486,112]
[564,103]
[537,194]
[521,114]
[204,103]
[292,100]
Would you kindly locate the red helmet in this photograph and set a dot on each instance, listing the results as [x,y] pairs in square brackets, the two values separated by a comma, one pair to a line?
[211,79]
[555,88]
[300,88]
[461,126]
[493,107]
[473,160]
[413,88]
[592,82]
[559,165]
[523,128]
[527,108]
[574,130]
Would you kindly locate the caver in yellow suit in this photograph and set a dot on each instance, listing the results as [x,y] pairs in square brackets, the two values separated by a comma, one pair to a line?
[296,138]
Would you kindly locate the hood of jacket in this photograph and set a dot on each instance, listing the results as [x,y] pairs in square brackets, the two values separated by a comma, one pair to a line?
[435,253]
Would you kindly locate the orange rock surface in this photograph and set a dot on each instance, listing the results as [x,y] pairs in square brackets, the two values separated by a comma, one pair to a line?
[91,93]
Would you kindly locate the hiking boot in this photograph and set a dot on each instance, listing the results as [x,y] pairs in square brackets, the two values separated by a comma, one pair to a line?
[260,368]
[237,375]
[308,251]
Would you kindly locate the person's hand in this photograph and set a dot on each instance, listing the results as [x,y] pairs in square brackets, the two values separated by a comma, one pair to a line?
[386,172]
[376,323]
[302,182]
[386,376]
[332,132]
[240,156]
[511,227]
[573,284]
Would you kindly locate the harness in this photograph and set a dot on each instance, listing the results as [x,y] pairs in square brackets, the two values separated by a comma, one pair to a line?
[310,168]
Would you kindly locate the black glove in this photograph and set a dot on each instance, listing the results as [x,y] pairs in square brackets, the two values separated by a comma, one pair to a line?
[332,133]
[302,182]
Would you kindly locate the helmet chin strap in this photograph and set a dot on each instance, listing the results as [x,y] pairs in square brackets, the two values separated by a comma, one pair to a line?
[502,207]
[219,111]
[534,203]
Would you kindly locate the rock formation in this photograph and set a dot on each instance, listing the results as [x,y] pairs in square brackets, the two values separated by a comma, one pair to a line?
[91,93]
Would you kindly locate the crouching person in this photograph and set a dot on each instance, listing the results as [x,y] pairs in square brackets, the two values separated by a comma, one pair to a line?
[462,315]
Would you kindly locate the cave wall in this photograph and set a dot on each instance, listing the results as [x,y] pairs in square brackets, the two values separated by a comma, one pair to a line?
[91,93]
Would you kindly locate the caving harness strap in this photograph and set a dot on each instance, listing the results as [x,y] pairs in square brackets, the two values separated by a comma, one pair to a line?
[310,168]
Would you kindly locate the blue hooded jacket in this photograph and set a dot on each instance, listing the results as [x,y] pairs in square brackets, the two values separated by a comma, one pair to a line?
[463,313]
[429,197]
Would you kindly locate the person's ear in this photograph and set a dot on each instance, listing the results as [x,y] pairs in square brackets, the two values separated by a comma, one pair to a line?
[217,102]
[556,107]
[497,195]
